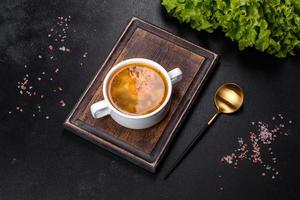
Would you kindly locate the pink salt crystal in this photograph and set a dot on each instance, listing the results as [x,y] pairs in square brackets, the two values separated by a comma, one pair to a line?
[62,103]
[50,47]
[63,48]
[240,141]
[229,158]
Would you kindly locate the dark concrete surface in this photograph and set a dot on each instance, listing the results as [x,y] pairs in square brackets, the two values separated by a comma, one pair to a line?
[40,160]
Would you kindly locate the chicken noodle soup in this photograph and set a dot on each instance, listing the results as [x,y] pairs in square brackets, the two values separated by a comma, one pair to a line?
[137,89]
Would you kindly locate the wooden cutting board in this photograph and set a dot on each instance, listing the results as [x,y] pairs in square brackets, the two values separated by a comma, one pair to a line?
[144,147]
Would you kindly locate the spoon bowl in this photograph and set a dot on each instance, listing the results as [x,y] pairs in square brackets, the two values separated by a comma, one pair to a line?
[229,98]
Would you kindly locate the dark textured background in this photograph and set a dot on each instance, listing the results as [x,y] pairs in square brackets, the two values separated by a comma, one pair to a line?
[39,160]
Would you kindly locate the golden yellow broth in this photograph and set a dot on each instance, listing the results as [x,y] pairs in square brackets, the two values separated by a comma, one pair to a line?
[137,89]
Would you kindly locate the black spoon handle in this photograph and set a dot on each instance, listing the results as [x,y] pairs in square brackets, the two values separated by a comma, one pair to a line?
[187,150]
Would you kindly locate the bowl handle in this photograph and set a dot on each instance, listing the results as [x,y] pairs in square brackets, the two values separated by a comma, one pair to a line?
[100,109]
[175,75]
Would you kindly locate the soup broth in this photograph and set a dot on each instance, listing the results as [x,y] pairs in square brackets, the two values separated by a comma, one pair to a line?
[137,89]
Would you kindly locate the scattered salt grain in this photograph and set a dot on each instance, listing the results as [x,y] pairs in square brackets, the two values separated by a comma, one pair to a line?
[40,57]
[85,55]
[62,103]
[50,47]
[63,48]
[240,141]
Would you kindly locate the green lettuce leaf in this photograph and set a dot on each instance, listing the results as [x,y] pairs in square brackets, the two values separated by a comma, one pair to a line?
[272,26]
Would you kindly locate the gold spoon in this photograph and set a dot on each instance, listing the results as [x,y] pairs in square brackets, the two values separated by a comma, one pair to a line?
[228,99]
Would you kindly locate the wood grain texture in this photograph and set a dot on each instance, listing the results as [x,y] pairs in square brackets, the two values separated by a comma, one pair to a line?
[143,40]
